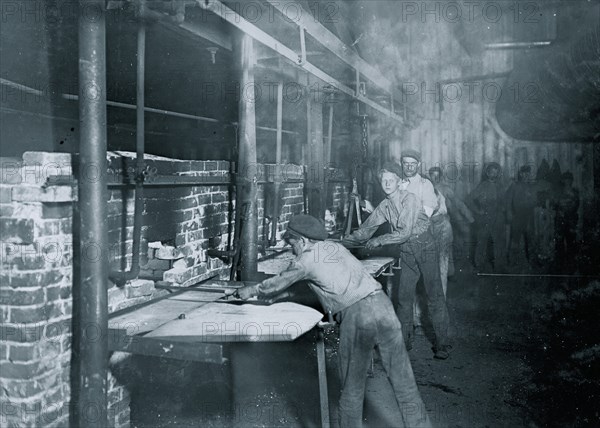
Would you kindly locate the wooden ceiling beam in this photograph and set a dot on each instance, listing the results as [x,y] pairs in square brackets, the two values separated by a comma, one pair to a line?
[336,46]
[229,15]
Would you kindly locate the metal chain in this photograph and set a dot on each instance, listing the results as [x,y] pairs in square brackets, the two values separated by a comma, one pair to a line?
[365,137]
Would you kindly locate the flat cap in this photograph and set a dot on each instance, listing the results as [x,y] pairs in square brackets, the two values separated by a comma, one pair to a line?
[411,153]
[307,226]
[392,167]
[525,168]
[567,176]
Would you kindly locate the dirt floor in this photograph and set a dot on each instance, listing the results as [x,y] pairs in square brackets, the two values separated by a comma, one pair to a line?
[480,385]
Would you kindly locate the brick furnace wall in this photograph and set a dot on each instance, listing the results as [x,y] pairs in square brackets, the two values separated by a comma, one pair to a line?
[35,291]
[36,281]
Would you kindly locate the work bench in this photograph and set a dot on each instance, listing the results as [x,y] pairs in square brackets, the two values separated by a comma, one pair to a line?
[198,325]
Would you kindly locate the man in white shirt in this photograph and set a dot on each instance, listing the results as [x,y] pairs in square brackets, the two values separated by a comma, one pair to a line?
[423,189]
[420,186]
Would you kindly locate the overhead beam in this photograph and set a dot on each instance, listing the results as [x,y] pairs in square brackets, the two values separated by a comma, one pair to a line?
[207,32]
[261,36]
[336,46]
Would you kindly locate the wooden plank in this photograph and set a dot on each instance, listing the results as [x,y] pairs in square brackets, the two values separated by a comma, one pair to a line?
[275,265]
[207,31]
[202,352]
[220,322]
[153,301]
[149,317]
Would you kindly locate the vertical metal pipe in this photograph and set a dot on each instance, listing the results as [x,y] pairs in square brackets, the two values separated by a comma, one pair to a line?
[278,173]
[327,161]
[247,166]
[93,258]
[141,64]
[122,277]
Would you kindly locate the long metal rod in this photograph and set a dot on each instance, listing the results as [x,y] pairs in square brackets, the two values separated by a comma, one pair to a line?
[518,45]
[278,148]
[93,309]
[149,109]
[527,275]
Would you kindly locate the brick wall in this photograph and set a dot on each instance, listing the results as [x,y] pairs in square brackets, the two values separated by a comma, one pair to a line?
[177,223]
[35,291]
[290,197]
[339,201]
[37,253]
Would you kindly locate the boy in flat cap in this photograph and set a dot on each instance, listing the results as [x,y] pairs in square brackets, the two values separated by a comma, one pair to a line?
[419,254]
[366,316]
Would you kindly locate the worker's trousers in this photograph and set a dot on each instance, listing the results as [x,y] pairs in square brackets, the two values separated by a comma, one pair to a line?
[496,231]
[420,255]
[369,323]
[443,236]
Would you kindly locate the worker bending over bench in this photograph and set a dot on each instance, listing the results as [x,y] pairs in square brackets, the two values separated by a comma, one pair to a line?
[366,316]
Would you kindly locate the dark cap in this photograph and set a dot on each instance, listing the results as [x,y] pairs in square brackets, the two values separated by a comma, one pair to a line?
[411,153]
[566,176]
[435,169]
[525,168]
[493,165]
[306,226]
[392,167]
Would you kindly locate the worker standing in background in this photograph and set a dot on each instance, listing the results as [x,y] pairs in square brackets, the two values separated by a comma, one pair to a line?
[460,215]
[544,216]
[442,230]
[419,255]
[366,316]
[567,207]
[487,203]
[520,205]
[423,189]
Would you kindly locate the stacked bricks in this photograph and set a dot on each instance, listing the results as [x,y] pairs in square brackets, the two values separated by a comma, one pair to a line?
[181,219]
[35,290]
[188,220]
[160,258]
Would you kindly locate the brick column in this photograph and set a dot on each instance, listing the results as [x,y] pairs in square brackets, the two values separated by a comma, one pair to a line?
[35,291]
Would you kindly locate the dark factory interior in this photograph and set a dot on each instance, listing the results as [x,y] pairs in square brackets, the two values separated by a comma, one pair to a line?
[170,167]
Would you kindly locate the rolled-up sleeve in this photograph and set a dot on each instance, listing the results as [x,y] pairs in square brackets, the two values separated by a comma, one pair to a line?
[368,228]
[403,227]
[275,285]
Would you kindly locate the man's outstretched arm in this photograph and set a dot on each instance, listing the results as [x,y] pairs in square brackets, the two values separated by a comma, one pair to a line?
[274,285]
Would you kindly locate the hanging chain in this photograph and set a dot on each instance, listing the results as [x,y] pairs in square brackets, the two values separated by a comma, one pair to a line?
[365,137]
